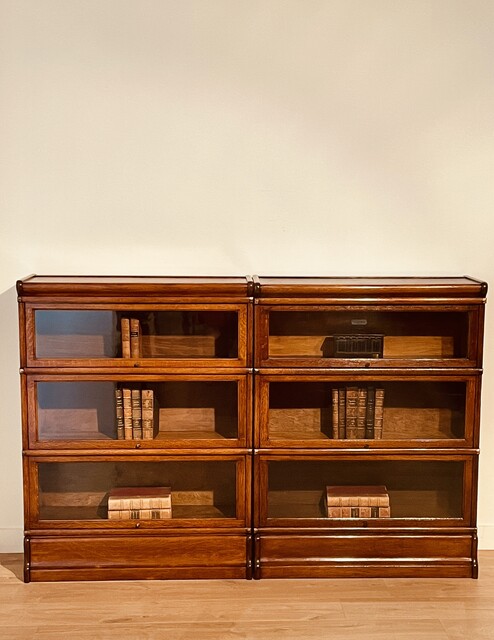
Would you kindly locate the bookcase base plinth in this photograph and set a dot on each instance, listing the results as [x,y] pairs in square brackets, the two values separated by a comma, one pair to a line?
[359,556]
[156,557]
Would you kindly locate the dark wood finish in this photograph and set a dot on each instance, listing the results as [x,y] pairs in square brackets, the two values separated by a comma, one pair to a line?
[367,555]
[72,456]
[431,531]
[115,557]
[235,513]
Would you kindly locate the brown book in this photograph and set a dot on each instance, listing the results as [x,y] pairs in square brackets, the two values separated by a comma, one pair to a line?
[150,414]
[119,413]
[369,413]
[357,496]
[379,414]
[351,412]
[361,412]
[341,414]
[335,411]
[126,498]
[136,414]
[135,338]
[127,411]
[358,512]
[139,514]
[125,334]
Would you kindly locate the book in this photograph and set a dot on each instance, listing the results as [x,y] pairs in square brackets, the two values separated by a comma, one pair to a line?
[351,400]
[357,496]
[334,406]
[125,335]
[359,512]
[150,414]
[139,514]
[369,413]
[136,414]
[379,414]
[128,498]
[127,412]
[361,412]
[341,414]
[119,413]
[135,338]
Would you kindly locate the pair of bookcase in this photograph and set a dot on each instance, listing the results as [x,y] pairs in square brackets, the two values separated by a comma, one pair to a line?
[266,391]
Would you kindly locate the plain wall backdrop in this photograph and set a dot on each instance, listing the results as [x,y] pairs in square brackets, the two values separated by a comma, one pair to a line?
[326,137]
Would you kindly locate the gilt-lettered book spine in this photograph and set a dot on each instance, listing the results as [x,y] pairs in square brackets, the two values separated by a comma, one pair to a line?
[119,411]
[127,411]
[379,414]
[150,414]
[341,414]
[140,514]
[335,411]
[136,414]
[125,333]
[361,412]
[369,413]
[135,338]
[351,412]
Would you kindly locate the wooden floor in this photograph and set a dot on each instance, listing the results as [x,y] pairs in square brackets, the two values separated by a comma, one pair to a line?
[384,609]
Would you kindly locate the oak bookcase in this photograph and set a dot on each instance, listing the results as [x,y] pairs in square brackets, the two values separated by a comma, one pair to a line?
[250,376]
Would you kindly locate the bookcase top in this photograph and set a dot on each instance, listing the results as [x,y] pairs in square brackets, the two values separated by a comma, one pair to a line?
[379,287]
[172,286]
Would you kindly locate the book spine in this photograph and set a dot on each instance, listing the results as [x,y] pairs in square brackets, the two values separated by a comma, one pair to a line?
[351,412]
[379,414]
[127,411]
[136,414]
[358,512]
[140,514]
[369,413]
[361,412]
[334,406]
[119,412]
[155,502]
[135,338]
[125,334]
[150,414]
[341,414]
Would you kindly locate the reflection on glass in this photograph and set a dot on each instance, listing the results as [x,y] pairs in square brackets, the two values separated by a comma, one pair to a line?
[90,410]
[376,410]
[79,490]
[136,334]
[367,334]
[417,489]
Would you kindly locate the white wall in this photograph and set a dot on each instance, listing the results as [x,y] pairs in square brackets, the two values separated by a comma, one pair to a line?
[239,136]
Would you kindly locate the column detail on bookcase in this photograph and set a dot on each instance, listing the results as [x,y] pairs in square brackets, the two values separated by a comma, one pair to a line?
[137,427]
[367,426]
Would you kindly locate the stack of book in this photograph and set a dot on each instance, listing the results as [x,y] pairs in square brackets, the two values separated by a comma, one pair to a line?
[357,412]
[357,502]
[137,413]
[130,330]
[140,503]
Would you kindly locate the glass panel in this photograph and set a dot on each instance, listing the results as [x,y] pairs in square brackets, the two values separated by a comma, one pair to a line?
[80,490]
[415,489]
[148,410]
[367,334]
[146,334]
[379,410]
[76,334]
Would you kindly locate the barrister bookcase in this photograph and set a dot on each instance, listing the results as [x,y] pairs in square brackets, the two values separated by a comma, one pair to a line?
[266,394]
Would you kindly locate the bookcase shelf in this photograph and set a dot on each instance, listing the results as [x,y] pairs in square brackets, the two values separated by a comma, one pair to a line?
[293,427]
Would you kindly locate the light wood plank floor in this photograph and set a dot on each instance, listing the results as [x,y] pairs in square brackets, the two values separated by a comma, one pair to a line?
[384,609]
